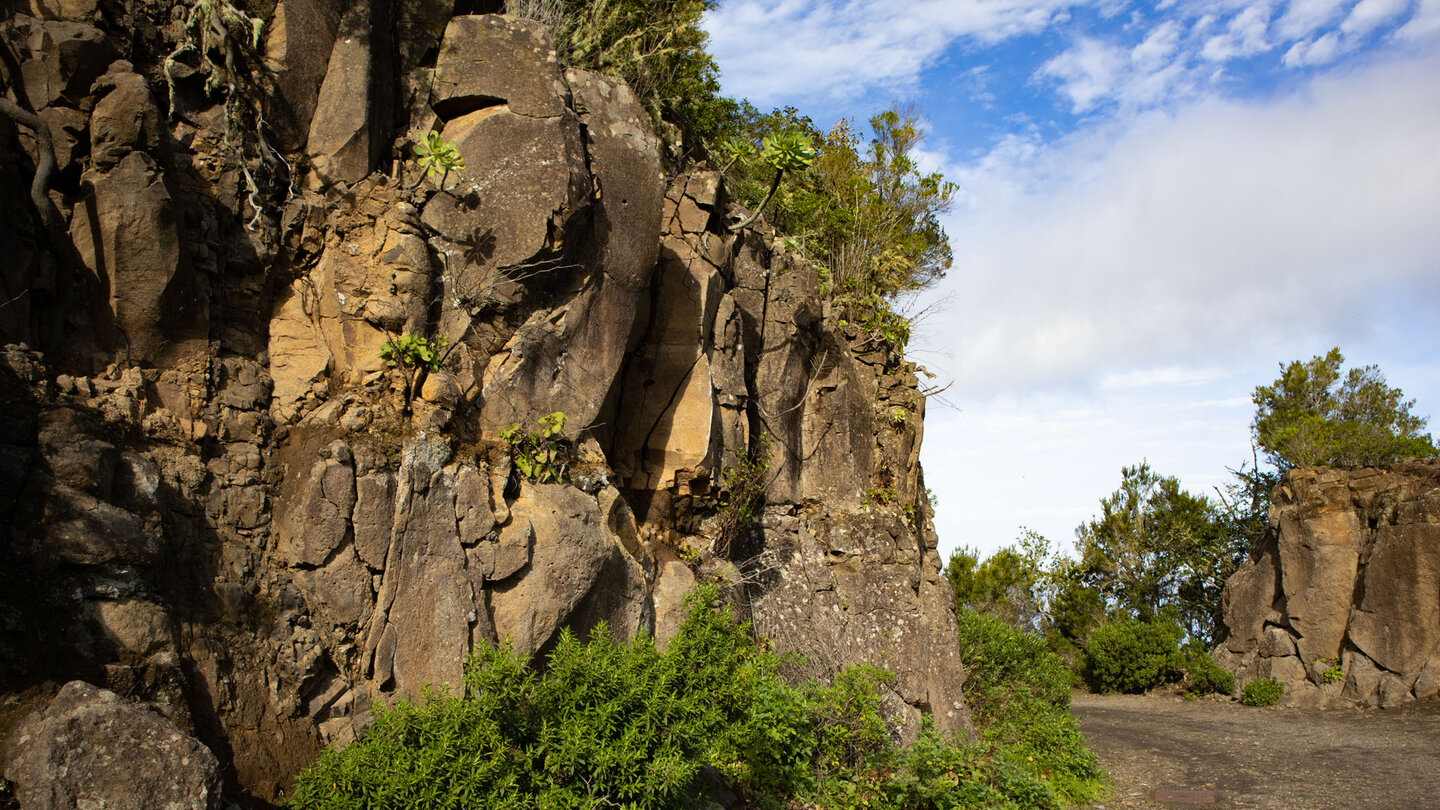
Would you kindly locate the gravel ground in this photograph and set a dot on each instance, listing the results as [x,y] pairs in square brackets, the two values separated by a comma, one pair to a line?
[1164,751]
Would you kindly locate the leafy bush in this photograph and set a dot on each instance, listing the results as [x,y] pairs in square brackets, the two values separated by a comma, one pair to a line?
[1205,677]
[1019,697]
[1262,692]
[542,454]
[416,357]
[629,725]
[1132,656]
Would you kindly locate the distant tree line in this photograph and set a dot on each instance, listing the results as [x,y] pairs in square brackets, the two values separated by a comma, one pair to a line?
[1156,554]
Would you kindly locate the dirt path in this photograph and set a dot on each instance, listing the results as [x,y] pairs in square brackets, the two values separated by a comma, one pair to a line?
[1166,752]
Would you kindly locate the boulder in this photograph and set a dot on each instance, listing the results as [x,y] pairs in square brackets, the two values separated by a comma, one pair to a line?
[1349,570]
[1319,548]
[491,59]
[1247,599]
[299,40]
[352,110]
[62,9]
[1398,621]
[429,611]
[90,748]
[576,567]
[128,234]
[125,119]
[65,58]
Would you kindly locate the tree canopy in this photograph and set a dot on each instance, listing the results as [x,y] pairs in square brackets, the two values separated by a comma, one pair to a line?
[1314,416]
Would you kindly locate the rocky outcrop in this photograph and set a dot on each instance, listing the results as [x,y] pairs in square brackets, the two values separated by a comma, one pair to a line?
[90,748]
[219,500]
[1341,601]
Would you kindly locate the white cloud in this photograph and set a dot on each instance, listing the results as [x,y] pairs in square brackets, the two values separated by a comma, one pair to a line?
[1158,46]
[767,50]
[1304,17]
[1371,14]
[1244,36]
[1424,25]
[1320,51]
[1154,72]
[1220,231]
[1087,72]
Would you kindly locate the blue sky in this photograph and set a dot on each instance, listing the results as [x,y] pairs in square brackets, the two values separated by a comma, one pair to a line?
[1159,203]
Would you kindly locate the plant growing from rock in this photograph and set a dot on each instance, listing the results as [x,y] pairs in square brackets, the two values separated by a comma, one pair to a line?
[541,455]
[1262,692]
[788,151]
[742,493]
[437,156]
[416,357]
[217,27]
[1334,673]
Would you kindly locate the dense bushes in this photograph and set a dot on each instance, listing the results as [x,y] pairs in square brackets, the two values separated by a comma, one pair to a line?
[1262,692]
[1019,697]
[1205,677]
[629,725]
[1132,656]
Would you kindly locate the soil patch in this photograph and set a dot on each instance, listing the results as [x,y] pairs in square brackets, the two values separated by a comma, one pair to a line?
[1166,752]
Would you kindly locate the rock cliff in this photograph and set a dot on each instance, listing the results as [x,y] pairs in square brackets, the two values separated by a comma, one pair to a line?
[1341,601]
[217,498]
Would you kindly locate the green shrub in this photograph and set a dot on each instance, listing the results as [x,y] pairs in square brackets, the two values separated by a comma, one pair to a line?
[543,454]
[1019,697]
[1205,677]
[1132,656]
[1262,692]
[628,725]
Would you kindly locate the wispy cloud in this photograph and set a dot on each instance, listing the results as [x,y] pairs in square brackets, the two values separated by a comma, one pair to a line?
[1196,235]
[769,50]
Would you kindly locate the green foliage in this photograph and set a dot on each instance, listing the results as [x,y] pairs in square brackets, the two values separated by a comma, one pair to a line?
[742,493]
[1008,584]
[225,44]
[1156,549]
[1310,416]
[438,156]
[1203,676]
[656,46]
[1262,692]
[541,455]
[631,726]
[869,215]
[1132,656]
[1019,697]
[415,357]
[1334,672]
[787,151]
[413,351]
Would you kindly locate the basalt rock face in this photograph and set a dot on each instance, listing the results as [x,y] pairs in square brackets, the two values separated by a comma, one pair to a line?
[218,500]
[1347,581]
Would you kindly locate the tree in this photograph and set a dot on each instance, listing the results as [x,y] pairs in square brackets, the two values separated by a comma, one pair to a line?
[1008,584]
[1157,551]
[1311,416]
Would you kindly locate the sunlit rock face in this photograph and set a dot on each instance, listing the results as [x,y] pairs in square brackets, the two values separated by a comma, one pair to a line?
[1347,581]
[220,500]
